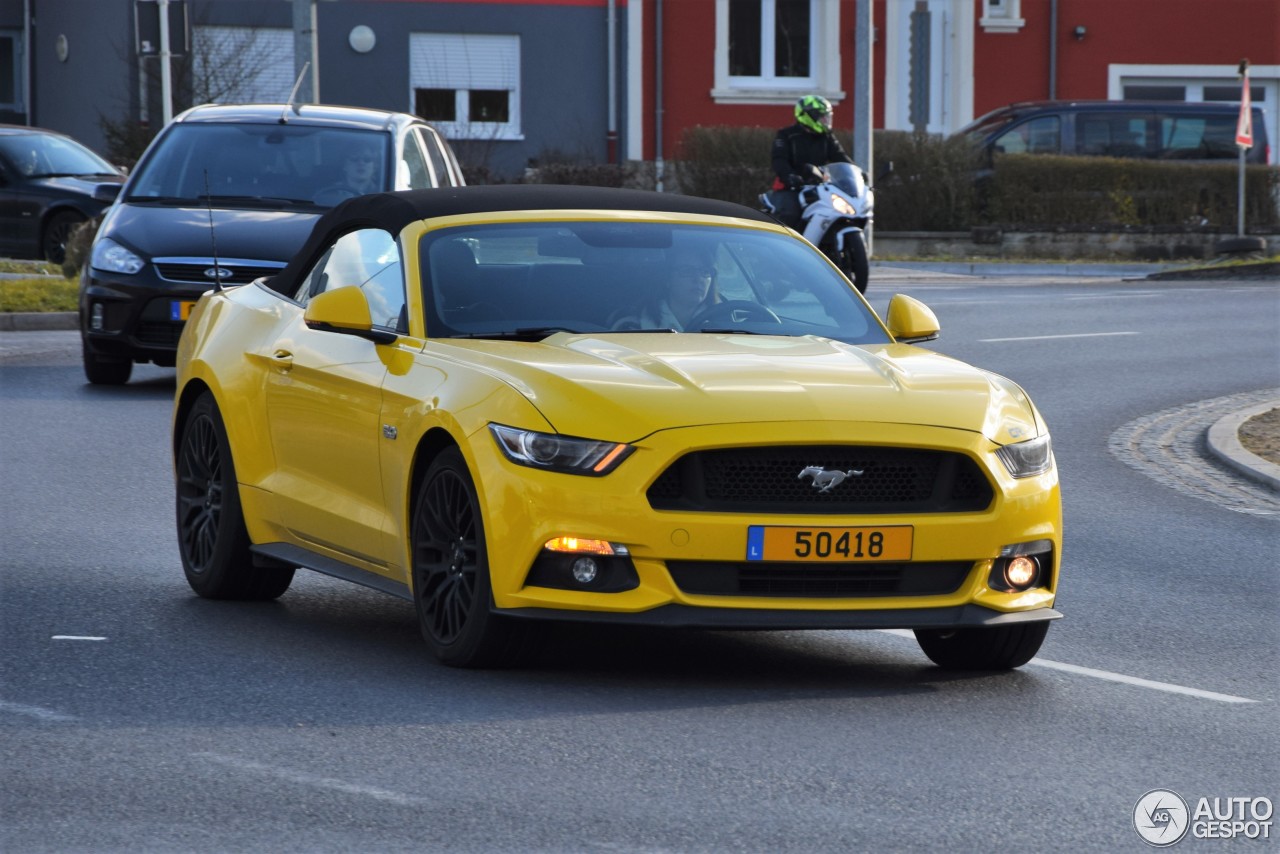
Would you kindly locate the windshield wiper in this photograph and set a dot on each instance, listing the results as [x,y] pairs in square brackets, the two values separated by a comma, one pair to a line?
[255,200]
[634,331]
[524,333]
[714,330]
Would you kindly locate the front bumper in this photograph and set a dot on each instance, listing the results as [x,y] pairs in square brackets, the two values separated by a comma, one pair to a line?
[524,508]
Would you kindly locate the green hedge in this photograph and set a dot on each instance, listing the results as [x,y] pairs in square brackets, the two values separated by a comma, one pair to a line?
[939,184]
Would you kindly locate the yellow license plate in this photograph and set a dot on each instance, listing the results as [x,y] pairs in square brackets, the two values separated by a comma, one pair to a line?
[835,545]
[180,309]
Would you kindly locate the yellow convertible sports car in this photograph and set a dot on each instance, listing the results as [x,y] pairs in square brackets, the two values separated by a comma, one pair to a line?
[515,404]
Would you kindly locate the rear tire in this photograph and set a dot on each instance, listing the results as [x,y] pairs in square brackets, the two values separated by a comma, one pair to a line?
[101,370]
[451,588]
[1000,648]
[212,537]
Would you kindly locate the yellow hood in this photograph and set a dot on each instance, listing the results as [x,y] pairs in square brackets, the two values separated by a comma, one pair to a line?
[622,387]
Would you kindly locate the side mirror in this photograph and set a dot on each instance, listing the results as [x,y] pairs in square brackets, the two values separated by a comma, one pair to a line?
[106,192]
[911,321]
[345,311]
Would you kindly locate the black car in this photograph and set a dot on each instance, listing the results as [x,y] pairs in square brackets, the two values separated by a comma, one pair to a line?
[47,183]
[226,194]
[1161,130]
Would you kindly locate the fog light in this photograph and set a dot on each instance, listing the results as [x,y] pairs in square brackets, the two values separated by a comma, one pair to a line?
[97,318]
[1020,573]
[584,570]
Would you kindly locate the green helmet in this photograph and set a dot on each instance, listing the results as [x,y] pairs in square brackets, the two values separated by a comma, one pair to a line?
[814,112]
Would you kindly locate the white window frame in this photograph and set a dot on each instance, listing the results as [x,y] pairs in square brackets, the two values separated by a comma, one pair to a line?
[1196,77]
[459,81]
[950,68]
[1002,16]
[824,58]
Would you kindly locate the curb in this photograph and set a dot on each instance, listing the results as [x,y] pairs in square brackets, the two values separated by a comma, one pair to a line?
[1224,444]
[31,321]
[994,269]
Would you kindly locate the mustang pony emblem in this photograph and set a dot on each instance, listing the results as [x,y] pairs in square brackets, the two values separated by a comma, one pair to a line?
[824,480]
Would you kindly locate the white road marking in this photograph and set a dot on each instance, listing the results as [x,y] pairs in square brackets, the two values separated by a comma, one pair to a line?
[34,712]
[312,780]
[77,637]
[1048,337]
[1112,296]
[1167,687]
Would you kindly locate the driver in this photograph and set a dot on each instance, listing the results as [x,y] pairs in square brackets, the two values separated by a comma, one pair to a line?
[691,276]
[359,174]
[799,153]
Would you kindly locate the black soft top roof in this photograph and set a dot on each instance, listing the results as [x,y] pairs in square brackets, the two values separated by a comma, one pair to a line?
[392,211]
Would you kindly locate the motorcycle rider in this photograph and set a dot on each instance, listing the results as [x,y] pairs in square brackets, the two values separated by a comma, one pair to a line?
[799,153]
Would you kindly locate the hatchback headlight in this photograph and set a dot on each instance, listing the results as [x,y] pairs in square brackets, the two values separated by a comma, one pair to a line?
[114,258]
[1025,459]
[554,452]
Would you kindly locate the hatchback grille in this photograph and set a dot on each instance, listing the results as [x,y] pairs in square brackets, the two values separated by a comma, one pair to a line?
[233,272]
[850,581]
[159,333]
[876,480]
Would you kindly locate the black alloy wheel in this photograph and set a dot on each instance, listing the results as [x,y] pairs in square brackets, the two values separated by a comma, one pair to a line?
[212,538]
[451,573]
[57,231]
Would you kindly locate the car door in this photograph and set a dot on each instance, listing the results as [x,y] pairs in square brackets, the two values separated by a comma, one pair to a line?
[324,396]
[20,210]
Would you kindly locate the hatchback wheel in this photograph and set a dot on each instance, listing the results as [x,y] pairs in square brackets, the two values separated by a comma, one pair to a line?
[451,574]
[102,370]
[211,532]
[1000,648]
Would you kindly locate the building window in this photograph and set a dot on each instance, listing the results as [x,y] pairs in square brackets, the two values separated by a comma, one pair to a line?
[1002,16]
[241,65]
[467,85]
[772,51]
[10,72]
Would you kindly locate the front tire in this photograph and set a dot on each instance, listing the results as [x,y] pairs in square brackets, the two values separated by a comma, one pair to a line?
[854,262]
[451,588]
[212,537]
[53,243]
[999,648]
[100,370]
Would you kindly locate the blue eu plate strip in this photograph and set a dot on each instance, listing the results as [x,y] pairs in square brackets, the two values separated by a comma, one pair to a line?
[755,542]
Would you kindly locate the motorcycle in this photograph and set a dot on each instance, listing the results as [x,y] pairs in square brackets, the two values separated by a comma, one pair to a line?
[835,215]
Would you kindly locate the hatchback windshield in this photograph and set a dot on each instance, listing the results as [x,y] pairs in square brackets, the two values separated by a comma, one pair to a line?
[262,164]
[39,155]
[529,280]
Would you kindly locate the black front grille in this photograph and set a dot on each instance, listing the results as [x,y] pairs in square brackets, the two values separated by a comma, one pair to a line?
[232,273]
[871,480]
[159,333]
[850,581]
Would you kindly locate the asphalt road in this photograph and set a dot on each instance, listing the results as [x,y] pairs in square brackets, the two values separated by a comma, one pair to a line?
[137,717]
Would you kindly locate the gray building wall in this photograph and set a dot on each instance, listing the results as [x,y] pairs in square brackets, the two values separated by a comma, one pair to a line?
[563,74]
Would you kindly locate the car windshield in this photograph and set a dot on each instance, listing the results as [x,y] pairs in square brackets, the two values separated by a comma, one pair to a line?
[529,280]
[261,164]
[39,155]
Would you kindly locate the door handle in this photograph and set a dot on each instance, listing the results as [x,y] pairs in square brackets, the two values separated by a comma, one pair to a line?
[282,360]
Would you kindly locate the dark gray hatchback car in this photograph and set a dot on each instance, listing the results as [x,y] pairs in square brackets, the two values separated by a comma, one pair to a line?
[241,184]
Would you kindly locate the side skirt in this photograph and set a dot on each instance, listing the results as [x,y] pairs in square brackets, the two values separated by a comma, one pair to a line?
[300,557]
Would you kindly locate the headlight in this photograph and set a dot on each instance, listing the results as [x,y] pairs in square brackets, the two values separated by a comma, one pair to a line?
[559,453]
[114,258]
[1029,458]
[842,206]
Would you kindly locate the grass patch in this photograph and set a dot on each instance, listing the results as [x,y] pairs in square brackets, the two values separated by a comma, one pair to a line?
[38,294]
[34,268]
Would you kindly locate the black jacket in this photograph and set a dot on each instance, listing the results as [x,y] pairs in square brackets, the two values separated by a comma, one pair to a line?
[796,147]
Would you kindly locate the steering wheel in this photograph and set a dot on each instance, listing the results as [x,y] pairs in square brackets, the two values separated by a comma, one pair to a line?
[332,195]
[734,311]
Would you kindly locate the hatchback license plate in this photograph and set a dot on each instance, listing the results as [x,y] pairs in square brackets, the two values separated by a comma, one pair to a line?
[180,309]
[836,545]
